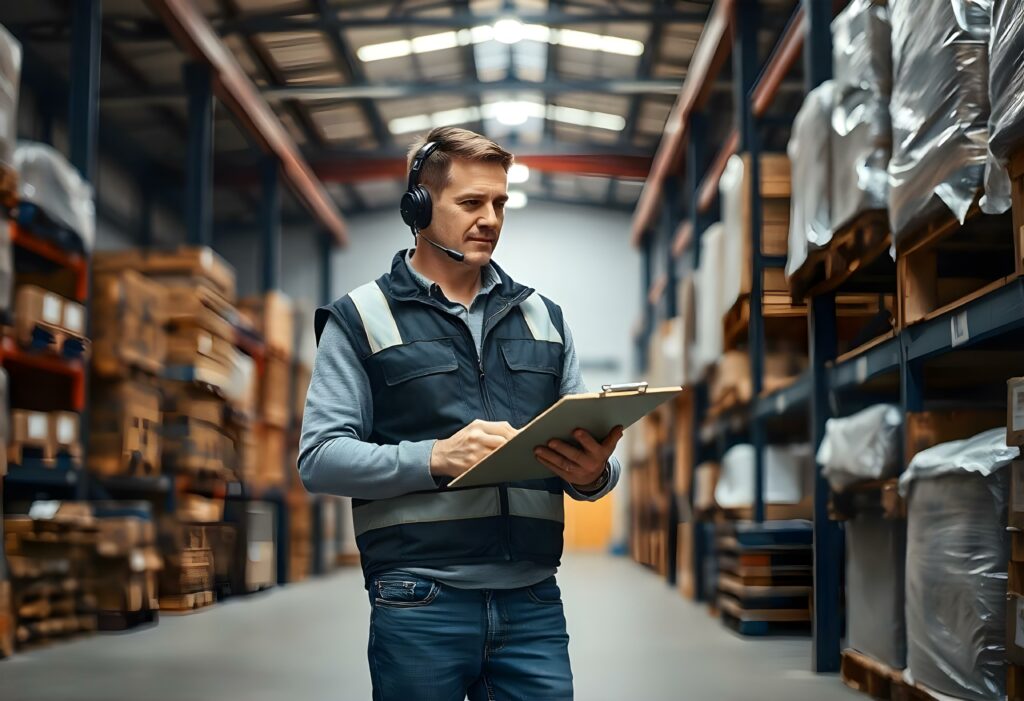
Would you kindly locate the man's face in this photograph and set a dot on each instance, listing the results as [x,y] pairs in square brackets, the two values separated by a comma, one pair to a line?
[469,213]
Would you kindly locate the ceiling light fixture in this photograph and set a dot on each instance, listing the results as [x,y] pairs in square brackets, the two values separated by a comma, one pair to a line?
[516,199]
[518,174]
[508,31]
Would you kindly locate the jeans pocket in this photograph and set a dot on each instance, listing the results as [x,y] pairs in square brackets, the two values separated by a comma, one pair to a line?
[405,592]
[546,592]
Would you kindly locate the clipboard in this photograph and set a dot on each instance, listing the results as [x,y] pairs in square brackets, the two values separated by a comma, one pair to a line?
[596,412]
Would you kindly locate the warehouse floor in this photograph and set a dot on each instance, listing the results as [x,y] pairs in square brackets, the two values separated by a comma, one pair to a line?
[632,638]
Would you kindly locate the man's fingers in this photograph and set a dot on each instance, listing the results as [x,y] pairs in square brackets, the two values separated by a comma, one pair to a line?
[557,459]
[569,452]
[564,474]
[499,428]
[588,442]
[612,439]
[492,441]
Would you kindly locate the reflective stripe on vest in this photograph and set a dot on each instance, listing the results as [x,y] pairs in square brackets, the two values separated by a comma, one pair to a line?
[538,318]
[426,508]
[533,503]
[378,321]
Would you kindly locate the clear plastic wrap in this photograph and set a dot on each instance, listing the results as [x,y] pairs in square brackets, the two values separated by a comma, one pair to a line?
[50,182]
[863,446]
[787,470]
[810,221]
[939,108]
[10,79]
[876,549]
[1006,94]
[985,453]
[861,124]
[710,341]
[957,550]
[730,190]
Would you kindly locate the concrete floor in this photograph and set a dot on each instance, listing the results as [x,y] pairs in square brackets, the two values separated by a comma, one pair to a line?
[307,643]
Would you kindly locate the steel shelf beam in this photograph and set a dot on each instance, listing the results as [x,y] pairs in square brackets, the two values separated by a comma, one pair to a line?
[83,108]
[271,226]
[853,372]
[787,401]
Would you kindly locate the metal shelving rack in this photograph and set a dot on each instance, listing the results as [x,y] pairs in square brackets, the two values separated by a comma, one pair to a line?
[896,360]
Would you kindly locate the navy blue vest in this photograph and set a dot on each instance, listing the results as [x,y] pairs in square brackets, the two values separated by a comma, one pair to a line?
[428,381]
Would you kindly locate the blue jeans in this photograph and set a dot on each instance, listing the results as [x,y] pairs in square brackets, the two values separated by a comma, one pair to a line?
[432,642]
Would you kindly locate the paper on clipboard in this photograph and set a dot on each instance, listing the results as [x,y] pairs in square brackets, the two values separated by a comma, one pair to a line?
[596,412]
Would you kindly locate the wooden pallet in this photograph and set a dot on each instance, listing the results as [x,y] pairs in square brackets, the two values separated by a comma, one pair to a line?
[186,603]
[762,622]
[946,265]
[126,620]
[859,249]
[869,676]
[32,632]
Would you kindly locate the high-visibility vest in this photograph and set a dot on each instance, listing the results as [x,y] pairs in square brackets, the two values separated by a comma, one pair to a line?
[428,381]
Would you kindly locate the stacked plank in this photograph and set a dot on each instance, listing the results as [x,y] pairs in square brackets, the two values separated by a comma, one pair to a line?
[125,571]
[49,553]
[271,315]
[765,576]
[130,347]
[187,579]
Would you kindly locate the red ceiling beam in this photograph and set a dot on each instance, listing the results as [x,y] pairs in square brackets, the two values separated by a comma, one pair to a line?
[236,90]
[708,58]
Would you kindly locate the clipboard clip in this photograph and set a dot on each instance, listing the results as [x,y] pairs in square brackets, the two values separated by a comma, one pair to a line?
[640,387]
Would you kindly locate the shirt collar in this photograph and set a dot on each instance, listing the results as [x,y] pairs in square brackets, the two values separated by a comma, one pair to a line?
[489,278]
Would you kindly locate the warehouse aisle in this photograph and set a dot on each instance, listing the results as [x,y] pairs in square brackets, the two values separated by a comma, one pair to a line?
[632,638]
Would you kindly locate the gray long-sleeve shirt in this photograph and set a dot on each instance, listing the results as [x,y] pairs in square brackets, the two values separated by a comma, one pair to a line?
[335,456]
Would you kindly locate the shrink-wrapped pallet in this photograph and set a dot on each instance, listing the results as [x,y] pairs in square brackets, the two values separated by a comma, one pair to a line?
[862,446]
[47,180]
[1006,93]
[810,221]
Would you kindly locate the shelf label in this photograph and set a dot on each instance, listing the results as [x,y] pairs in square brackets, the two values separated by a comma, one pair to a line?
[51,309]
[959,333]
[780,403]
[861,369]
[73,317]
[65,430]
[38,426]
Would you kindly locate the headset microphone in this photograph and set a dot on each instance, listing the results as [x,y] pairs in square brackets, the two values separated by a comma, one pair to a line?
[417,208]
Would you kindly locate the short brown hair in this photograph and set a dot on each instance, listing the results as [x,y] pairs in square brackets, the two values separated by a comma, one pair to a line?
[454,142]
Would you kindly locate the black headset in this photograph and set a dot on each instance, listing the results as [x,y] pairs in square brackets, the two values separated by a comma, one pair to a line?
[417,207]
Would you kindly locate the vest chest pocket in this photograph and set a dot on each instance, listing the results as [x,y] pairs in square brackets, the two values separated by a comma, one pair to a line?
[421,375]
[535,376]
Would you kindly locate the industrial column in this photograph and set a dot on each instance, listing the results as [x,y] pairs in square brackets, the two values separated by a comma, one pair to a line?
[199,164]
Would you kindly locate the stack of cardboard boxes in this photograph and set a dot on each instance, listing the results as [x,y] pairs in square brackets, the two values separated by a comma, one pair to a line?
[187,579]
[126,566]
[129,352]
[50,553]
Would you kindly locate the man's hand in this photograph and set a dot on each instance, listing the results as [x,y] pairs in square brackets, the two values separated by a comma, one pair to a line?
[580,467]
[453,456]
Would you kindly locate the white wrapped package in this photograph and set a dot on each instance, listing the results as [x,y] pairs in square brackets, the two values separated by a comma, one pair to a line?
[10,79]
[710,340]
[787,470]
[863,446]
[876,550]
[730,192]
[861,124]
[810,221]
[50,182]
[957,550]
[1006,93]
[939,109]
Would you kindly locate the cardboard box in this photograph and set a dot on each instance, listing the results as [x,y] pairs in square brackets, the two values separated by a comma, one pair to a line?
[120,536]
[1015,411]
[186,399]
[125,429]
[275,391]
[199,509]
[196,355]
[192,445]
[271,456]
[128,324]
[183,266]
[29,429]
[274,319]
[66,431]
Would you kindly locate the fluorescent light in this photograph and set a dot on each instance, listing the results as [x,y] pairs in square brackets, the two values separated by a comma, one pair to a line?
[405,125]
[435,42]
[379,52]
[584,118]
[460,115]
[518,174]
[516,199]
[508,31]
[510,113]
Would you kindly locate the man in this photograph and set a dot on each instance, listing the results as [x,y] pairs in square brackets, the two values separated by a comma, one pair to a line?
[418,376]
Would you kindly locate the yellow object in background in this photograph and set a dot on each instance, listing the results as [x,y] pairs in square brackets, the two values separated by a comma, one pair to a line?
[588,524]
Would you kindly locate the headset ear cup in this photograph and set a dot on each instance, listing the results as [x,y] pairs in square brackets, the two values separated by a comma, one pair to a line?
[424,207]
[408,208]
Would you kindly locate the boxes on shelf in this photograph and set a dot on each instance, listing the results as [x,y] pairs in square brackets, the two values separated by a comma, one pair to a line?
[274,319]
[188,400]
[194,508]
[45,320]
[50,552]
[275,391]
[300,532]
[128,324]
[47,436]
[270,452]
[188,565]
[193,445]
[788,479]
[127,565]
[242,389]
[194,354]
[185,266]
[125,428]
